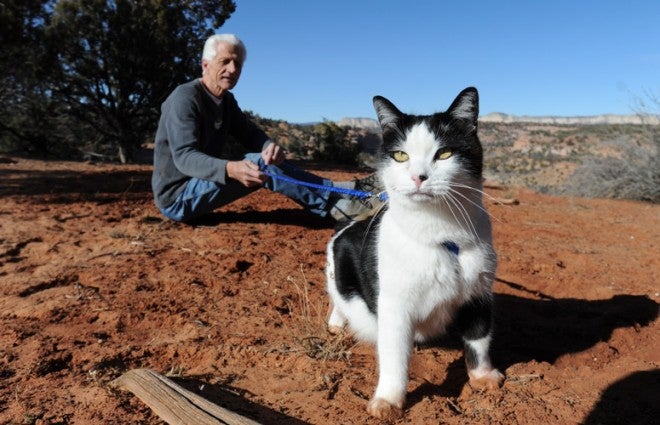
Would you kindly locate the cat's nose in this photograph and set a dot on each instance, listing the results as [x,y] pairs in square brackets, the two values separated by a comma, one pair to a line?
[419,179]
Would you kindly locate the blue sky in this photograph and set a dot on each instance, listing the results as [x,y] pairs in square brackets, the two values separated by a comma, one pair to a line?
[312,60]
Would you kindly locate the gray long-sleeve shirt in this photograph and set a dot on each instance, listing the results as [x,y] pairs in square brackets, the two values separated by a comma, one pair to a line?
[197,137]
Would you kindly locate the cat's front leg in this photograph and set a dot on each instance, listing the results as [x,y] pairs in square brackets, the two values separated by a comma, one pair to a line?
[394,346]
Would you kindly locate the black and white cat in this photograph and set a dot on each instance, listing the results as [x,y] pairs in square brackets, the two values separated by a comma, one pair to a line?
[426,260]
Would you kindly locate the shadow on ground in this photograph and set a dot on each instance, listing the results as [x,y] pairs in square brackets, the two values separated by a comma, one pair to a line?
[65,186]
[234,400]
[633,400]
[296,217]
[544,330]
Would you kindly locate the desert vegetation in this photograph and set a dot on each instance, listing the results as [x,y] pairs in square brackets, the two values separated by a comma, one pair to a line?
[596,161]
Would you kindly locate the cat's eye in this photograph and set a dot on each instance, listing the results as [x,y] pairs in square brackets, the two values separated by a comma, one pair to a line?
[399,156]
[444,153]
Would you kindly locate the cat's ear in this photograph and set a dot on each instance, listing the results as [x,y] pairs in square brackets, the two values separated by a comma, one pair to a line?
[466,105]
[388,114]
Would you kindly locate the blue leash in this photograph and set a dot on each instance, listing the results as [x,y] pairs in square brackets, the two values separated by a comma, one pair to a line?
[449,245]
[360,194]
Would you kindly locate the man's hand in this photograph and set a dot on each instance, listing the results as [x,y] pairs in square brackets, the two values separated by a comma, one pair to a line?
[246,172]
[273,154]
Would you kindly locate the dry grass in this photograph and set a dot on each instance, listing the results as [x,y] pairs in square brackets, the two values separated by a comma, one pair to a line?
[309,328]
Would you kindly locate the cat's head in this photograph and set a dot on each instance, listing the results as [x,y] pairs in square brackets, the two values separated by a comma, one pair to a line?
[423,156]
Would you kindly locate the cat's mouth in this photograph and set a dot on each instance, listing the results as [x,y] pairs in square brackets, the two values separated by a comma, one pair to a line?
[421,195]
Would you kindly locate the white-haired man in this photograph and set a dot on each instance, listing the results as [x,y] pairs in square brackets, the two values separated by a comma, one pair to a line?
[208,153]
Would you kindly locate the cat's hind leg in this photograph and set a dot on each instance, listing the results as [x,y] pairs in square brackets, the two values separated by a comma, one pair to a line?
[483,376]
[474,322]
[336,319]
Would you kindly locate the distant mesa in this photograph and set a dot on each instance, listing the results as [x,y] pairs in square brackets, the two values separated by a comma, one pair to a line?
[499,117]
[366,123]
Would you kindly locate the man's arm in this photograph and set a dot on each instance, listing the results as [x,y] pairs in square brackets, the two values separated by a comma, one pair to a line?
[183,127]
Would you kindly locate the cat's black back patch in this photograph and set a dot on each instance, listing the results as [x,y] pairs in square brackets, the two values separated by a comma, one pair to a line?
[356,265]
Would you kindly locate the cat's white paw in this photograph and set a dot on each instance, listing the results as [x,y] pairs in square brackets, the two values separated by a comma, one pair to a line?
[335,330]
[383,409]
[486,380]
[336,322]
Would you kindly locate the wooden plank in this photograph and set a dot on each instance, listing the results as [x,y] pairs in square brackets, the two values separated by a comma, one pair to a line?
[173,403]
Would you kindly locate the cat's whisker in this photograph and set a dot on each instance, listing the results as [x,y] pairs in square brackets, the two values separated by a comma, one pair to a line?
[476,204]
[449,207]
[468,215]
[464,214]
[483,193]
[472,188]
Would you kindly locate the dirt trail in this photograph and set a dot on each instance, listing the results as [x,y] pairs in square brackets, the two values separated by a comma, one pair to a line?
[94,283]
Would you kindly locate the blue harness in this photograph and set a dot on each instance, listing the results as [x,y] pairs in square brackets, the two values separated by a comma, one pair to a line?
[451,247]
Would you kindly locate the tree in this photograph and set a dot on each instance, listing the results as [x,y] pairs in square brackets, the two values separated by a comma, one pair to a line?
[119,59]
[24,104]
[104,66]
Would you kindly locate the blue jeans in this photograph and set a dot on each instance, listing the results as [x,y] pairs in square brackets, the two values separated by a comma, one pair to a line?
[201,197]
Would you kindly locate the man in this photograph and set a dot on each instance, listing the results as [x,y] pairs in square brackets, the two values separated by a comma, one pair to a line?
[208,153]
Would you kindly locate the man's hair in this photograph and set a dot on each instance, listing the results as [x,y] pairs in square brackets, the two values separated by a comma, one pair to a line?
[211,44]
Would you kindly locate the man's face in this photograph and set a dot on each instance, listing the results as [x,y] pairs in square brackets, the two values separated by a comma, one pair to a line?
[223,71]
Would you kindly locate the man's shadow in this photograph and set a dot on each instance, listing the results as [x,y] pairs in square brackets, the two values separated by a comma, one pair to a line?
[543,329]
[292,217]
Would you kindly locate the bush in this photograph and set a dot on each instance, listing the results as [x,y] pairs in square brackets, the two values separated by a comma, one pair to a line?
[635,175]
[332,144]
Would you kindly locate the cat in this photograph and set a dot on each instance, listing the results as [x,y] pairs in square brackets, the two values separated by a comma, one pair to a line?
[426,260]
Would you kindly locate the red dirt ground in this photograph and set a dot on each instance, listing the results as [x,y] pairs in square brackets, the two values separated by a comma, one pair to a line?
[95,283]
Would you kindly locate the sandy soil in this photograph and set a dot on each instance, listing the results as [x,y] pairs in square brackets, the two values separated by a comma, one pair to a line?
[95,283]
